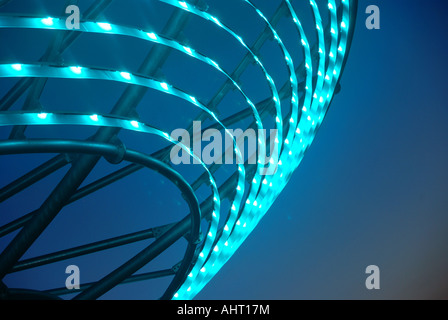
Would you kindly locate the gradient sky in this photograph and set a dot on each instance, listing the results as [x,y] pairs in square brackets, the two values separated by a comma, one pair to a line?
[372,189]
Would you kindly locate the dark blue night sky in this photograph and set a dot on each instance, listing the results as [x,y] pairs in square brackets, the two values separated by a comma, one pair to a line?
[371,190]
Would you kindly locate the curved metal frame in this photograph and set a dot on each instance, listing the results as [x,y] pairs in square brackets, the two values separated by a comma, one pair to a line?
[35,226]
[203,258]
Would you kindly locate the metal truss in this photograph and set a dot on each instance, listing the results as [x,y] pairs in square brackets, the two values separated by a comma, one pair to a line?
[310,89]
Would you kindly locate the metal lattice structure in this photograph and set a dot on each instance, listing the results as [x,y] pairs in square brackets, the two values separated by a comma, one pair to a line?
[213,231]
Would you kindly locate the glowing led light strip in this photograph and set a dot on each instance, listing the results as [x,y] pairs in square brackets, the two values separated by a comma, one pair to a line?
[127,76]
[94,27]
[29,70]
[263,190]
[306,135]
[204,15]
[328,100]
[97,27]
[241,235]
[309,130]
[257,179]
[219,257]
[47,118]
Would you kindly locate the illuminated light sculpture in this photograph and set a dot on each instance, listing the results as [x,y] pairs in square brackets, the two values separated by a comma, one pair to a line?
[309,90]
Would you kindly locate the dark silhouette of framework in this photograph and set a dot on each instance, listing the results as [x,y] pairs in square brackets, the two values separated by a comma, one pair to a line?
[105,144]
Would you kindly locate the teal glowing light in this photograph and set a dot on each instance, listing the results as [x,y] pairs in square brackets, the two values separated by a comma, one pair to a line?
[135,124]
[164,86]
[48,21]
[126,75]
[76,70]
[17,66]
[152,35]
[105,26]
[183,4]
[188,50]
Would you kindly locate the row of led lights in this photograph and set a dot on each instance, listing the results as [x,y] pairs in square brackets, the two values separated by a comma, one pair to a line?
[305,137]
[310,134]
[246,213]
[308,119]
[87,27]
[217,251]
[136,124]
[127,76]
[265,182]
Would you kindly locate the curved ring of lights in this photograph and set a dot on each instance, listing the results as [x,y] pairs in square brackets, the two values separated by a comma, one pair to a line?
[316,78]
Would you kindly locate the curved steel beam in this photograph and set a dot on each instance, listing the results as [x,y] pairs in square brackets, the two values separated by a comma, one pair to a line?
[37,224]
